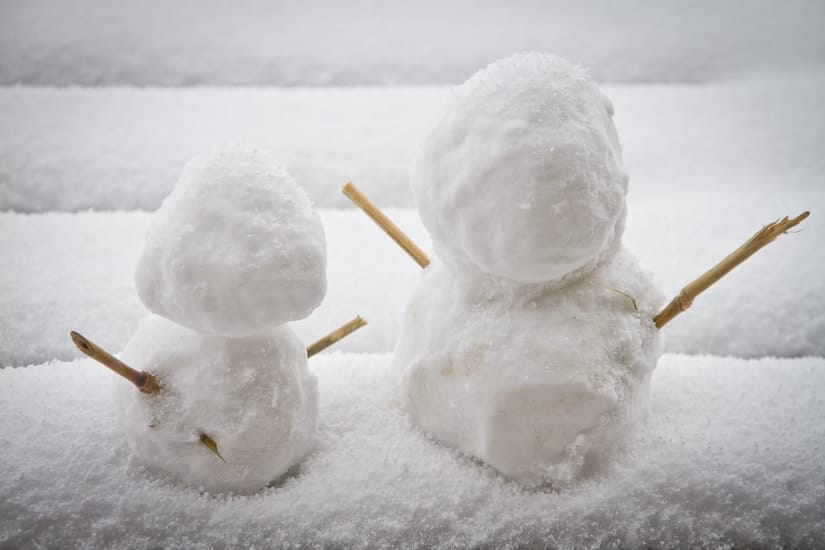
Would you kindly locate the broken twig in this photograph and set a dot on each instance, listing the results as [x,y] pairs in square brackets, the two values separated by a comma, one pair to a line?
[335,335]
[144,381]
[762,238]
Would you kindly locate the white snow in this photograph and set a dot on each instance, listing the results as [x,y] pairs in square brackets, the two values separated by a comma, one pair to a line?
[52,281]
[253,396]
[532,345]
[315,42]
[235,249]
[544,384]
[730,453]
[521,177]
[731,456]
[122,149]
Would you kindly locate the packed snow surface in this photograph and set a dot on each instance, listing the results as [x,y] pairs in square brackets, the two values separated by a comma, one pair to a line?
[522,176]
[774,304]
[255,398]
[730,456]
[235,249]
[543,384]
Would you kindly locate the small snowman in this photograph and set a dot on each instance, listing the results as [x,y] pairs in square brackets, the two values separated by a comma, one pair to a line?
[234,252]
[530,343]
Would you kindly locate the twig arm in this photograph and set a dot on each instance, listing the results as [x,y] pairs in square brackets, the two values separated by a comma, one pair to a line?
[762,238]
[401,238]
[335,335]
[144,381]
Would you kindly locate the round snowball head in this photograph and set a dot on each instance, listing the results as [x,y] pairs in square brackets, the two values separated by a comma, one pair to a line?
[235,249]
[254,397]
[522,175]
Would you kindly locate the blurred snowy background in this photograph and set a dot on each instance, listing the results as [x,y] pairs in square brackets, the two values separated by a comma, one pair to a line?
[719,106]
[370,42]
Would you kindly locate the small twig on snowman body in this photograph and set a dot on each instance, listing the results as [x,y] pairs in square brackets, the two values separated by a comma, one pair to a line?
[335,335]
[210,444]
[356,196]
[762,238]
[628,296]
[144,381]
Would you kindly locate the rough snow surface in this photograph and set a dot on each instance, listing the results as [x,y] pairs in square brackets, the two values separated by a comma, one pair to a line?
[730,456]
[71,149]
[52,281]
[543,384]
[253,396]
[98,42]
[235,249]
[522,175]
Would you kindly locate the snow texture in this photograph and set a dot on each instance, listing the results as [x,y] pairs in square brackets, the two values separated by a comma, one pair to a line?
[522,176]
[730,456]
[255,398]
[544,384]
[235,249]
[315,42]
[52,281]
[73,149]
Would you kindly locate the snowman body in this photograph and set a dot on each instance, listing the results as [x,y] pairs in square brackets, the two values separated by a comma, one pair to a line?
[530,343]
[254,396]
[542,384]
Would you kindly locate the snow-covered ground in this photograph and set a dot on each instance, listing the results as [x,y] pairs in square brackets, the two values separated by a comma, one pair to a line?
[731,456]
[155,42]
[122,149]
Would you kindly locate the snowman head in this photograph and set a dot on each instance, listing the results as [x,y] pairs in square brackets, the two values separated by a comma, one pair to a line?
[235,249]
[522,176]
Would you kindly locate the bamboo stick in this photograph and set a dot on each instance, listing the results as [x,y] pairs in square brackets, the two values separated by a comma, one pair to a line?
[335,335]
[356,196]
[144,381]
[761,238]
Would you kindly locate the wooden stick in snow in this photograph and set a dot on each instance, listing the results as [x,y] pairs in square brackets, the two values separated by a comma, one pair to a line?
[356,196]
[144,381]
[762,238]
[335,335]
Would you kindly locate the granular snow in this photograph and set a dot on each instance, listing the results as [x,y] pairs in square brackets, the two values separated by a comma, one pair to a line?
[730,456]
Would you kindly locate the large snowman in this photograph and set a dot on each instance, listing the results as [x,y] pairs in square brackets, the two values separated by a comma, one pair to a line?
[529,343]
